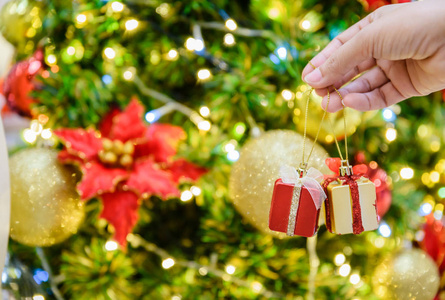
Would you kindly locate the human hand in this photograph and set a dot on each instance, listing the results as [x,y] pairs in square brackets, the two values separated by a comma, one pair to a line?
[399,50]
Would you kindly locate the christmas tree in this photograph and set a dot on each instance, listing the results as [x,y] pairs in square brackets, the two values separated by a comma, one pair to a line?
[154,135]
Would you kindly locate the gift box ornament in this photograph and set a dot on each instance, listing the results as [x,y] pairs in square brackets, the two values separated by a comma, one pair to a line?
[351,202]
[296,202]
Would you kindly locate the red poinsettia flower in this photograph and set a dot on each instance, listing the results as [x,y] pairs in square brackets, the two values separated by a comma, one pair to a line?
[125,162]
[374,4]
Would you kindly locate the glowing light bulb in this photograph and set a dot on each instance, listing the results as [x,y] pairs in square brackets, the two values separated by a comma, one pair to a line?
[230,269]
[435,176]
[51,59]
[406,173]
[168,263]
[229,39]
[203,271]
[287,95]
[204,111]
[204,74]
[354,278]
[150,117]
[282,52]
[186,196]
[46,134]
[71,50]
[425,209]
[388,115]
[190,44]
[339,259]
[257,286]
[29,135]
[38,297]
[384,229]
[172,54]
[81,18]
[344,270]
[195,190]
[109,53]
[233,155]
[273,13]
[117,6]
[229,147]
[231,24]
[111,246]
[391,134]
[441,192]
[176,297]
[204,125]
[128,75]
[131,24]
[306,24]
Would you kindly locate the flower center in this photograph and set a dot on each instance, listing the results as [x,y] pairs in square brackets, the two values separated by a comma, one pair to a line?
[116,153]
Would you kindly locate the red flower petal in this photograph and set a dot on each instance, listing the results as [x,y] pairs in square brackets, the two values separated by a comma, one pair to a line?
[79,142]
[98,179]
[147,179]
[107,122]
[333,164]
[67,158]
[127,125]
[182,169]
[121,210]
[162,142]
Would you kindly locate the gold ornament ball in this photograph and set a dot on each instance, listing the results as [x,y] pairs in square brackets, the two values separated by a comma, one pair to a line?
[253,175]
[410,274]
[45,206]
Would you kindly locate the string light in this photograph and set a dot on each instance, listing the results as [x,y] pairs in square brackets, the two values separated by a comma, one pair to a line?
[111,246]
[233,155]
[229,39]
[46,134]
[229,147]
[438,211]
[172,54]
[339,259]
[186,196]
[425,209]
[287,95]
[391,134]
[257,287]
[71,50]
[344,270]
[435,176]
[204,74]
[38,297]
[203,271]
[176,297]
[81,18]
[406,173]
[128,75]
[282,52]
[230,269]
[168,263]
[204,125]
[131,24]
[388,115]
[163,9]
[195,190]
[29,135]
[441,192]
[204,111]
[384,229]
[273,13]
[231,24]
[354,278]
[51,59]
[117,6]
[109,53]
[306,24]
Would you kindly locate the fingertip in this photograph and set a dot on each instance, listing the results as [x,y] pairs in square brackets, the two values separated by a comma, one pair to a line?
[334,104]
[321,92]
[306,71]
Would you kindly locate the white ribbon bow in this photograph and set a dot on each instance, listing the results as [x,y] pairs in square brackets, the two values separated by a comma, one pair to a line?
[4,198]
[311,181]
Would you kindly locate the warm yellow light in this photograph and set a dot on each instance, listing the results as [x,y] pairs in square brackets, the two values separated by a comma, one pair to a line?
[406,173]
[81,18]
[168,263]
[131,24]
[305,24]
[204,125]
[354,278]
[329,139]
[36,127]
[230,269]
[204,74]
[435,176]
[117,6]
[287,95]
[229,147]
[229,39]
[422,131]
[273,13]
[391,134]
[176,297]
[51,59]
[339,259]
[172,54]
[344,270]
[257,286]
[71,50]
[203,271]
[186,196]
[128,75]
[231,24]
[111,246]
[46,134]
[435,146]
[163,9]
[190,44]
[29,135]
[38,297]
[204,111]
[195,190]
[109,53]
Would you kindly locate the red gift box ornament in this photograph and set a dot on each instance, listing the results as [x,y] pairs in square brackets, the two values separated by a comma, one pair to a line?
[296,202]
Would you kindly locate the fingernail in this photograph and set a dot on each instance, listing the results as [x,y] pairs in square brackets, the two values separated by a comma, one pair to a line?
[313,77]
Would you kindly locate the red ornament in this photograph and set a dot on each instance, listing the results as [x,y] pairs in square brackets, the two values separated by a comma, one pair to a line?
[371,5]
[126,162]
[380,179]
[20,82]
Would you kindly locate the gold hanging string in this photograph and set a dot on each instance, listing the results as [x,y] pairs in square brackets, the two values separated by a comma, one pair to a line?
[305,126]
[344,123]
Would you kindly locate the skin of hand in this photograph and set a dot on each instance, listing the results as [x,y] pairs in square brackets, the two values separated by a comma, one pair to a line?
[398,51]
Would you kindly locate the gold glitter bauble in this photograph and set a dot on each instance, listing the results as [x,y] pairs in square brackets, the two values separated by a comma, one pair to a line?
[254,174]
[45,206]
[407,275]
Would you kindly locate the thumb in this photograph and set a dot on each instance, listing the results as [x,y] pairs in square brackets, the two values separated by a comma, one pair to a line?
[347,60]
